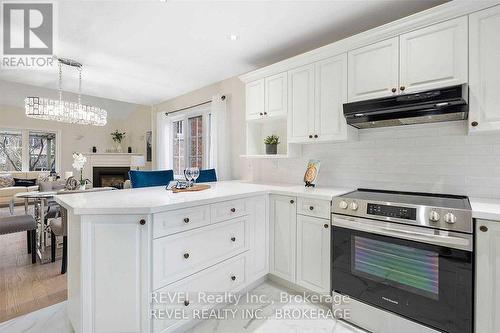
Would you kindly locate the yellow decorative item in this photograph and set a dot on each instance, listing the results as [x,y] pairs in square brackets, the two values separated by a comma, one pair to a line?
[311,173]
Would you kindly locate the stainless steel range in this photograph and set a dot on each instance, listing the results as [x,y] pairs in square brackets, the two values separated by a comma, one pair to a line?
[405,259]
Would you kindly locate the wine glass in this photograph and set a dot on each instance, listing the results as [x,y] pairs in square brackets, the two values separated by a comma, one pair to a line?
[195,172]
[189,175]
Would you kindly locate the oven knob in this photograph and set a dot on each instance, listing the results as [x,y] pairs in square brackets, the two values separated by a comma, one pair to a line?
[343,204]
[353,206]
[434,216]
[450,218]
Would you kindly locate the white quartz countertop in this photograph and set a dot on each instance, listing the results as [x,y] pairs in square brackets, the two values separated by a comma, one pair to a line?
[485,208]
[157,199]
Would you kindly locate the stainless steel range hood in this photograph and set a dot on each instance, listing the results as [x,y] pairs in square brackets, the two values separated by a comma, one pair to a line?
[444,104]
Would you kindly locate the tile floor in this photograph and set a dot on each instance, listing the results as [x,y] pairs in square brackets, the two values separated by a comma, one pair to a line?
[54,318]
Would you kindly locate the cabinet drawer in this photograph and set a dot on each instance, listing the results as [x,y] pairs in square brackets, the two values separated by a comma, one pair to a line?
[182,254]
[227,210]
[180,220]
[312,207]
[228,276]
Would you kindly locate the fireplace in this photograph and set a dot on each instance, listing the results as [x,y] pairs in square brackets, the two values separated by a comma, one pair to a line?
[110,176]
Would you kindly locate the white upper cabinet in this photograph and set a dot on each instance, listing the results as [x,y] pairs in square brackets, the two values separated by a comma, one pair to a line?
[331,94]
[276,100]
[484,66]
[435,56]
[313,253]
[373,70]
[255,99]
[301,104]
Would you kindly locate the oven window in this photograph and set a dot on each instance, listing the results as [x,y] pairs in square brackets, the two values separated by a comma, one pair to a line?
[404,267]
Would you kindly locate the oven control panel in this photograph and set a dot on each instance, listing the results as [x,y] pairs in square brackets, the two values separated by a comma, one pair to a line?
[405,213]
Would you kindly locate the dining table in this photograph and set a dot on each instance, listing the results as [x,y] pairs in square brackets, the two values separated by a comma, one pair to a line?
[41,202]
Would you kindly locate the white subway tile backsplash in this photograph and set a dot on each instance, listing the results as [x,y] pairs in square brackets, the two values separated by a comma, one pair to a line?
[438,158]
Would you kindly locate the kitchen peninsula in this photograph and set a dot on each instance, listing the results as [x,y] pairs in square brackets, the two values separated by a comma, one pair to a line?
[125,245]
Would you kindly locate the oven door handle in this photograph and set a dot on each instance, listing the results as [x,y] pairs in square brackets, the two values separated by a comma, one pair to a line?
[429,236]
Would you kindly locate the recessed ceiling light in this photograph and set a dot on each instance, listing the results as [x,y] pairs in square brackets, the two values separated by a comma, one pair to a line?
[233,37]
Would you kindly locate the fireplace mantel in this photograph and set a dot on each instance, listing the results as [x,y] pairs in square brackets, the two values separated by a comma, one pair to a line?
[106,160]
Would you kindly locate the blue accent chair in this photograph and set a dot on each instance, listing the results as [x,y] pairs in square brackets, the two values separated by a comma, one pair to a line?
[207,176]
[150,178]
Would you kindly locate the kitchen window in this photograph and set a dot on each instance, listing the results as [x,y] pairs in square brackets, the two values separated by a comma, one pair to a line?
[190,140]
[29,150]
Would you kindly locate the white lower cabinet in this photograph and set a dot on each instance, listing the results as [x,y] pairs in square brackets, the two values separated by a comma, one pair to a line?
[185,295]
[300,243]
[283,220]
[487,316]
[313,253]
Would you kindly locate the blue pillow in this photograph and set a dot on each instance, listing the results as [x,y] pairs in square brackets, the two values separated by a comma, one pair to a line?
[206,176]
[150,178]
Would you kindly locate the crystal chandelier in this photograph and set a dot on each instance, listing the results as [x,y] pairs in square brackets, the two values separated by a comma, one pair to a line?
[64,111]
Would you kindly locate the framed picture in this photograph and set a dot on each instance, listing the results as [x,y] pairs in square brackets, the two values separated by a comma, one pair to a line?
[149,146]
[311,173]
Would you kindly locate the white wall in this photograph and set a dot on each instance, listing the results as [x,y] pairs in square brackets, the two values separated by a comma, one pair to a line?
[429,158]
[133,119]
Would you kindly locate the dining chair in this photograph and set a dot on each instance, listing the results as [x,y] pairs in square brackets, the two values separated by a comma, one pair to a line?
[139,178]
[207,176]
[59,227]
[20,223]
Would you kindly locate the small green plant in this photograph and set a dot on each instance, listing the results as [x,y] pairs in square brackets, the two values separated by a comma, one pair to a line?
[272,140]
[117,136]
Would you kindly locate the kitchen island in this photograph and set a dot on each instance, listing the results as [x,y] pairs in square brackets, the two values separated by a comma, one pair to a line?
[126,247]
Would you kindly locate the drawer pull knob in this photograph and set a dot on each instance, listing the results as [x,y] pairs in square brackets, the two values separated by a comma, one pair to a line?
[233,278]
[261,113]
[315,136]
[233,210]
[292,202]
[483,228]
[393,90]
[310,136]
[233,239]
[474,123]
[186,220]
[186,303]
[326,226]
[186,255]
[311,207]
[142,222]
[265,113]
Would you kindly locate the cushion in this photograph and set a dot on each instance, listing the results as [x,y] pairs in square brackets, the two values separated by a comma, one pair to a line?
[150,178]
[24,182]
[43,177]
[17,223]
[6,180]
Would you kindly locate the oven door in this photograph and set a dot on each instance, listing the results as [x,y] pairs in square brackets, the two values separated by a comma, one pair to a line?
[415,276]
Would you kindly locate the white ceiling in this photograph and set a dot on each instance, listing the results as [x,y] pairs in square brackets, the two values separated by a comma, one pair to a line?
[146,52]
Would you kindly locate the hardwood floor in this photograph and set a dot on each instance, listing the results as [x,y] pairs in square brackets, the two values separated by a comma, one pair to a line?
[25,287]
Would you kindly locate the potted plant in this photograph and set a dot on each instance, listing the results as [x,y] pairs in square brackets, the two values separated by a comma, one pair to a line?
[272,142]
[78,164]
[117,139]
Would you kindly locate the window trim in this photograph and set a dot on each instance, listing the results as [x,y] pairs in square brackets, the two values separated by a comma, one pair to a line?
[25,156]
[205,112]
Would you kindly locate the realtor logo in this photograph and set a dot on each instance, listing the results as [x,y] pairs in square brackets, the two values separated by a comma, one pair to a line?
[28,28]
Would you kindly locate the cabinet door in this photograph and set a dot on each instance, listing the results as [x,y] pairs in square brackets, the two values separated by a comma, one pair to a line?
[259,238]
[301,104]
[276,91]
[283,236]
[313,253]
[331,94]
[434,57]
[255,99]
[484,52]
[487,276]
[374,70]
